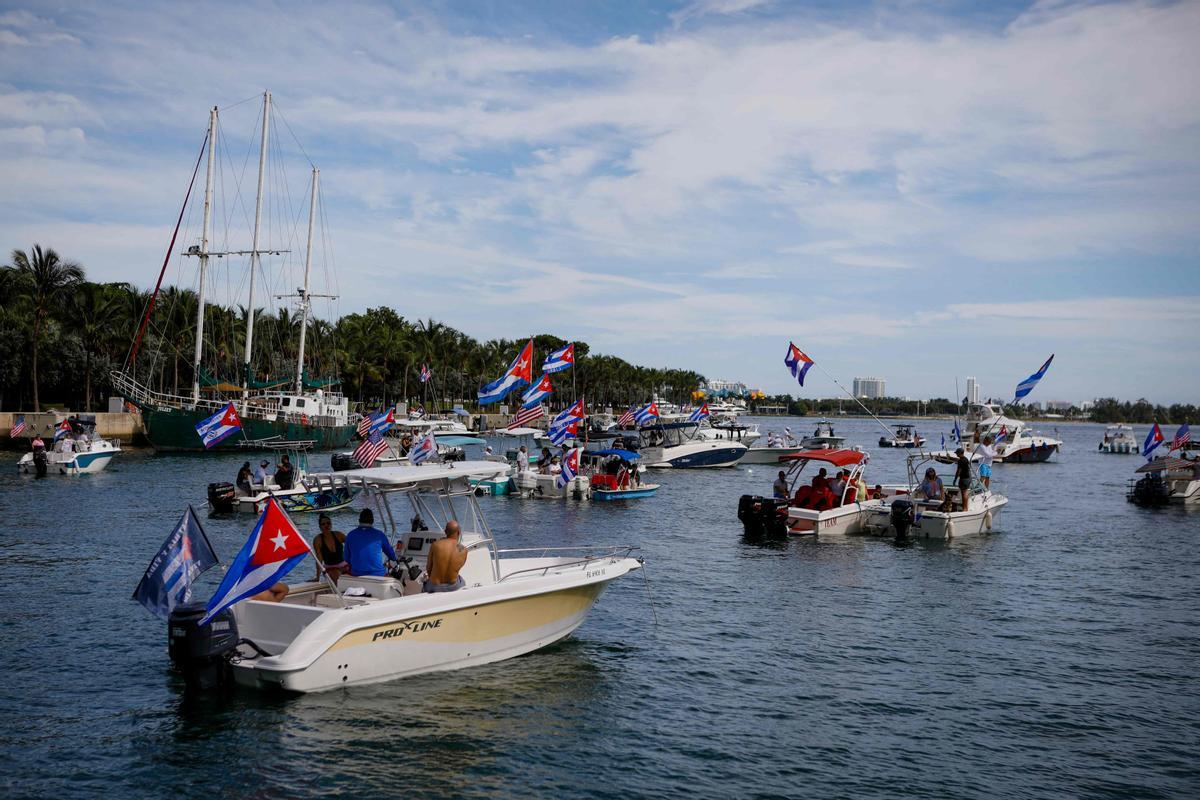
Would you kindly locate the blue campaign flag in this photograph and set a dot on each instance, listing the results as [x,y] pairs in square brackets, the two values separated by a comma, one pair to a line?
[957,433]
[1026,386]
[183,556]
[943,441]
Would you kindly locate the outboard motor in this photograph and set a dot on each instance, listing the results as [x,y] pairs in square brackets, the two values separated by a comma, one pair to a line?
[763,517]
[221,497]
[201,652]
[340,462]
[39,462]
[1150,492]
[903,516]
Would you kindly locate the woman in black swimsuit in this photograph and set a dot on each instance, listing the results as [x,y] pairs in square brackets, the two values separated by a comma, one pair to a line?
[329,548]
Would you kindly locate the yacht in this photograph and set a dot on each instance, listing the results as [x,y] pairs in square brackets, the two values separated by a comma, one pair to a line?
[363,630]
[683,449]
[1119,438]
[1020,444]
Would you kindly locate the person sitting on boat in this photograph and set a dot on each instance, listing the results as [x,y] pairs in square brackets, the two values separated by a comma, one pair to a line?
[555,466]
[544,461]
[406,443]
[274,594]
[838,486]
[446,558]
[242,481]
[781,486]
[962,477]
[821,479]
[65,445]
[931,488]
[986,453]
[285,474]
[877,493]
[366,546]
[329,548]
[260,472]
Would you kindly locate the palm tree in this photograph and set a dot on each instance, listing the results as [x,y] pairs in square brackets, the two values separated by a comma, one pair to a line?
[47,280]
[97,309]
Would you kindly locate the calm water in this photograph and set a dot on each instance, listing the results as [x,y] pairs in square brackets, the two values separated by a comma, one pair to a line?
[1056,658]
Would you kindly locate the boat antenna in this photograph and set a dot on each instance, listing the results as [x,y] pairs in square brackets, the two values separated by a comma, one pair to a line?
[254,253]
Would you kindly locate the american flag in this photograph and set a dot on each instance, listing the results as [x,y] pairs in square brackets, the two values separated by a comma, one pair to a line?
[526,416]
[17,427]
[370,449]
[626,419]
[364,424]
[1182,436]
[425,373]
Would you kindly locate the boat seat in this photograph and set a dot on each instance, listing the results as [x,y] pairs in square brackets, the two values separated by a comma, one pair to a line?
[378,587]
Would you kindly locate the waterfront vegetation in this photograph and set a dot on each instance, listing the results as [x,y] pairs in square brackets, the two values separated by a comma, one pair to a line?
[61,335]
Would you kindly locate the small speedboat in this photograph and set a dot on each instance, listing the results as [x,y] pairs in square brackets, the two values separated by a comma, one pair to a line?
[77,452]
[682,449]
[365,630]
[1119,439]
[905,436]
[615,475]
[823,437]
[1165,481]
[904,515]
[306,493]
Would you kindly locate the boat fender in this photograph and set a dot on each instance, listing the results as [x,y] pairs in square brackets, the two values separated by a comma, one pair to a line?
[950,529]
[987,521]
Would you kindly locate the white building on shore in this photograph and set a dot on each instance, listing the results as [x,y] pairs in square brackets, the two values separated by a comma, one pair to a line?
[869,387]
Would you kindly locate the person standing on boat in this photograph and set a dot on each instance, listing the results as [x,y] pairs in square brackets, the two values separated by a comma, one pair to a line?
[285,474]
[986,453]
[366,546]
[781,486]
[260,473]
[962,477]
[329,547]
[522,459]
[446,558]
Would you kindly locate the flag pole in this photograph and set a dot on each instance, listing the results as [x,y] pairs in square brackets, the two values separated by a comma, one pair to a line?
[328,580]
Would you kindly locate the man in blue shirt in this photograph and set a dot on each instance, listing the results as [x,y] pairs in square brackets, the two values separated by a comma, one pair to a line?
[366,547]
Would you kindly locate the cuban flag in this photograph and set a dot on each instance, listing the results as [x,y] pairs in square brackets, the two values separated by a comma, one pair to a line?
[699,414]
[797,362]
[1000,437]
[646,413]
[519,373]
[423,450]
[957,432]
[425,373]
[534,395]
[62,429]
[218,427]
[1026,386]
[381,423]
[18,426]
[184,555]
[1182,437]
[570,467]
[560,359]
[566,424]
[273,549]
[1153,439]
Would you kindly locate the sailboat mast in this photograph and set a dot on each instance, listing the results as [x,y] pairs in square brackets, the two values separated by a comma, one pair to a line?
[254,256]
[305,303]
[204,237]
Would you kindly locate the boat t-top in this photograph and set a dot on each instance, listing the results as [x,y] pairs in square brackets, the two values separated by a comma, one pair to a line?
[370,629]
[906,436]
[1119,439]
[823,437]
[298,492]
[79,450]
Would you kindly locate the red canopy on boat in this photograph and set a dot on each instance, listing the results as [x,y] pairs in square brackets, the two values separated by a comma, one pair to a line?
[838,458]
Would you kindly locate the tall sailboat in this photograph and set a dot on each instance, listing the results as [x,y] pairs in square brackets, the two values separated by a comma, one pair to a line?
[299,409]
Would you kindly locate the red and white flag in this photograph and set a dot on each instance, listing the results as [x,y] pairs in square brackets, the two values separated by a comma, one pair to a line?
[526,416]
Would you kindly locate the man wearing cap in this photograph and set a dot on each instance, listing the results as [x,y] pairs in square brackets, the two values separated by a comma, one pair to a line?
[366,547]
[261,472]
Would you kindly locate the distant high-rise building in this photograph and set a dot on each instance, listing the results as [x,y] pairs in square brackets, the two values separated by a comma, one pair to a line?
[972,390]
[869,387]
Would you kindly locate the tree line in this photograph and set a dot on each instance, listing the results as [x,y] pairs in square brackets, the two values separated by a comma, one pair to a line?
[61,336]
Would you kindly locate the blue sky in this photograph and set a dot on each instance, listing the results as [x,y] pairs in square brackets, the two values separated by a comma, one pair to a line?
[912,190]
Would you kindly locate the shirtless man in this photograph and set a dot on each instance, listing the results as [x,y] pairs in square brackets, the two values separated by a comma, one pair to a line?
[446,558]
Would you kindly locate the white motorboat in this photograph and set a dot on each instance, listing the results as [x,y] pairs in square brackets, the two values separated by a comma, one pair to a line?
[904,515]
[372,629]
[1015,441]
[729,430]
[906,436]
[532,483]
[1119,439]
[80,452]
[682,449]
[304,492]
[823,437]
[1166,480]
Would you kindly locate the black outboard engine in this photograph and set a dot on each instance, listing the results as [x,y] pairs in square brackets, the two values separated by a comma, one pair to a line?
[39,462]
[221,497]
[763,517]
[340,462]
[1150,492]
[903,516]
[201,652]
